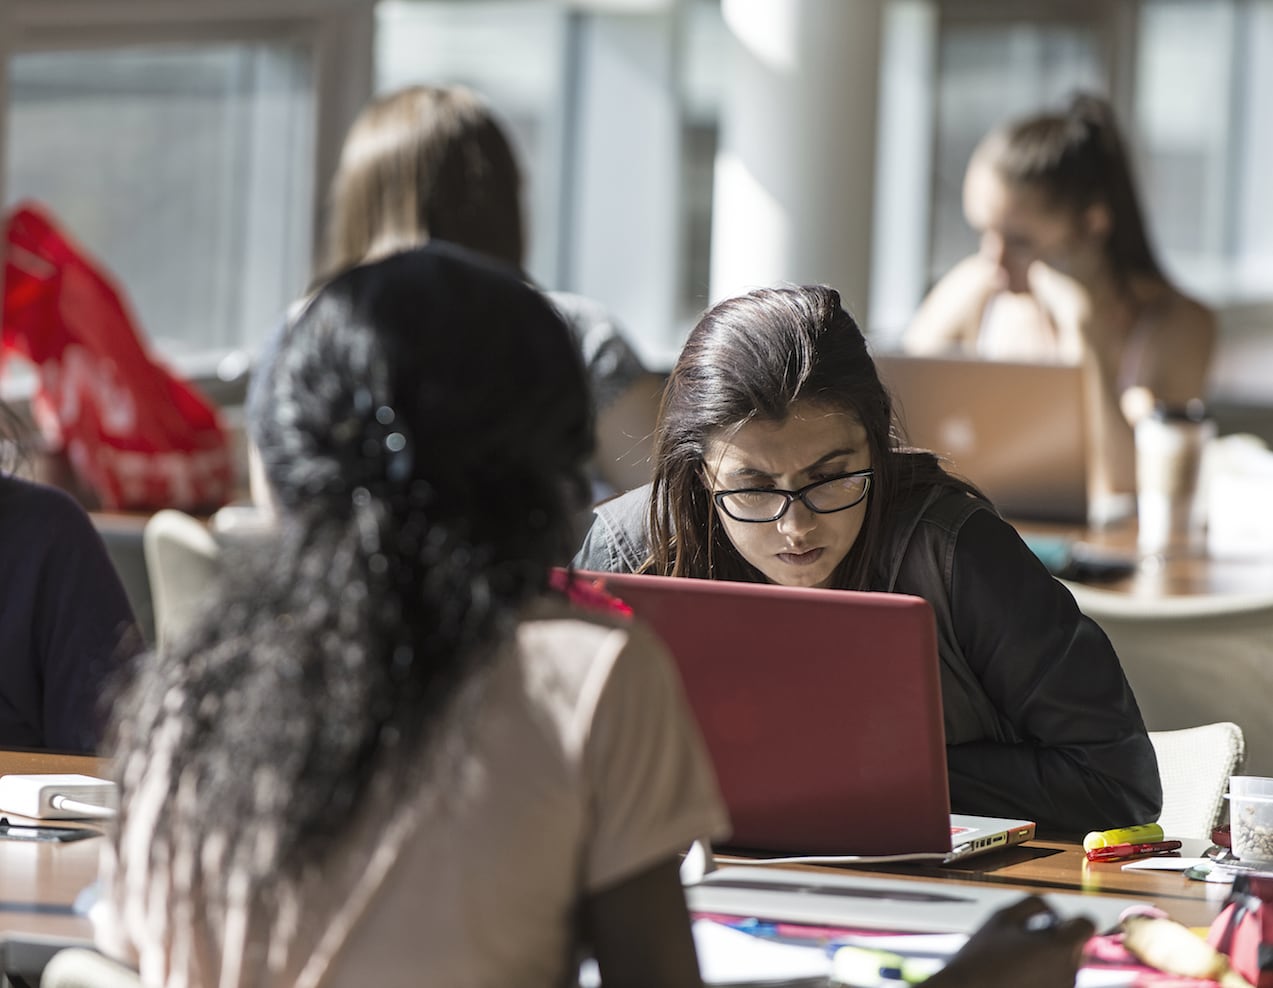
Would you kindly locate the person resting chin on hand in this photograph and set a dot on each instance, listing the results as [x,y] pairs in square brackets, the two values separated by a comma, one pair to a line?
[1065,272]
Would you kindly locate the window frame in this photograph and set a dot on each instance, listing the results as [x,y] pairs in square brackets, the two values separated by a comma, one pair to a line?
[339,34]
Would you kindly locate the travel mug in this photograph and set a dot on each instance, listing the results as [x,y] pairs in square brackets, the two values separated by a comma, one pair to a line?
[1169,445]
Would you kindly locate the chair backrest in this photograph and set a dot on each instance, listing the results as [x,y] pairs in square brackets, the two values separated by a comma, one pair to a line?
[78,967]
[24,956]
[122,536]
[182,559]
[1194,660]
[1195,764]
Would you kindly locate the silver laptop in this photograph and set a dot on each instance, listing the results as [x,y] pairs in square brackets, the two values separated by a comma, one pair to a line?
[1018,431]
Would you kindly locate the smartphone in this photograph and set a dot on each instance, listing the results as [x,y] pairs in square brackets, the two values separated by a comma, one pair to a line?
[1089,565]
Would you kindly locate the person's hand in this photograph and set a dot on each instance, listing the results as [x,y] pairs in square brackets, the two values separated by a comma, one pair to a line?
[1067,303]
[1023,944]
[978,279]
[1136,403]
[951,314]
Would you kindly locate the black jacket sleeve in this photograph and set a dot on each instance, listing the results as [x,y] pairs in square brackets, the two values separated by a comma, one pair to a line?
[1081,759]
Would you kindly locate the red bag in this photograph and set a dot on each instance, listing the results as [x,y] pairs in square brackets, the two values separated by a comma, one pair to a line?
[134,434]
[1244,929]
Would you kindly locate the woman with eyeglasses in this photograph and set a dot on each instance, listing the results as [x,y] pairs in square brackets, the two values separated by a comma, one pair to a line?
[776,460]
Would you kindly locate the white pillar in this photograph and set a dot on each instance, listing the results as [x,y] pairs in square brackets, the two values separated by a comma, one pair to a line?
[796,162]
[903,168]
[624,229]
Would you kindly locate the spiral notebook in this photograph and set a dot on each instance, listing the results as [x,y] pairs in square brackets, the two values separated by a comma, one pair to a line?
[821,710]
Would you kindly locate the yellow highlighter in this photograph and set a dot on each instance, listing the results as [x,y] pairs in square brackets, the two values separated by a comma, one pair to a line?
[1145,833]
[866,967]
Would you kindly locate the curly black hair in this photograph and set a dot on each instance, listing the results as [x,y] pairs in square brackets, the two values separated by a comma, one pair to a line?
[423,426]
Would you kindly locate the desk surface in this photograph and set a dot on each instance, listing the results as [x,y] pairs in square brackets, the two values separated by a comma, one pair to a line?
[1174,576]
[39,881]
[1045,866]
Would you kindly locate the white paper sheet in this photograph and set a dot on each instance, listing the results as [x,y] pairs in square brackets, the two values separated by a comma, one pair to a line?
[1165,864]
[727,956]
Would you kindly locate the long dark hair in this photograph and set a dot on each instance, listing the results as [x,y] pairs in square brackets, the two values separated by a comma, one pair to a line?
[1077,159]
[754,357]
[421,163]
[423,427]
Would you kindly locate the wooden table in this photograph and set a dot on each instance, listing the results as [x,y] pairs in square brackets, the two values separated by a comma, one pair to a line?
[1180,575]
[1045,866]
[39,881]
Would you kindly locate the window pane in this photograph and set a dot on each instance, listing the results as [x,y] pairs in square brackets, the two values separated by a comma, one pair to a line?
[1202,122]
[988,74]
[1254,193]
[186,170]
[705,37]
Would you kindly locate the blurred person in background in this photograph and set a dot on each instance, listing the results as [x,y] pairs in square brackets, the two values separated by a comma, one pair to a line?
[429,162]
[66,627]
[1066,272]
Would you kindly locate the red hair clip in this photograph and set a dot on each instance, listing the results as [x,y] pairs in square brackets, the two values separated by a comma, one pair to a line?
[589,596]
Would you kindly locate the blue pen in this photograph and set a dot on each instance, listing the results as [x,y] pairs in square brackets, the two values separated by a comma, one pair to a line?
[864,966]
[755,927]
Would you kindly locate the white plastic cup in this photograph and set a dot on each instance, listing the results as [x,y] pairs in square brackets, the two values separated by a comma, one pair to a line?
[1250,785]
[1251,827]
[1169,513]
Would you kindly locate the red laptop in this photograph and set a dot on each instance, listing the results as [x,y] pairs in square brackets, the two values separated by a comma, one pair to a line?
[821,710]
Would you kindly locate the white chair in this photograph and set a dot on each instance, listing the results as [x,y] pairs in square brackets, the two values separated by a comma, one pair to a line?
[181,559]
[1195,765]
[122,536]
[77,967]
[1195,660]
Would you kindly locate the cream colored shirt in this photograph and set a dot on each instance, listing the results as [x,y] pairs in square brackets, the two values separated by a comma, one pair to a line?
[580,766]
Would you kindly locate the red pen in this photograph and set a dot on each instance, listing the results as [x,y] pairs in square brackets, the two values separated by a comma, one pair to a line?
[1116,852]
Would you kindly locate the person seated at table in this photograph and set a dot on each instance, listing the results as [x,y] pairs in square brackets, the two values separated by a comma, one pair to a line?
[388,752]
[65,622]
[1066,272]
[433,162]
[776,461]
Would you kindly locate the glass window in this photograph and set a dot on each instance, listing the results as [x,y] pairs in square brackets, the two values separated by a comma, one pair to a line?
[186,170]
[702,78]
[1187,78]
[1206,147]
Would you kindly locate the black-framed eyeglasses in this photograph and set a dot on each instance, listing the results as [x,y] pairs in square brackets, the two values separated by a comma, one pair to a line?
[824,497]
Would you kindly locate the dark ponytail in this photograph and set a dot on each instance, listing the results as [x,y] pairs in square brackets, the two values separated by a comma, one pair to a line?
[1078,159]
